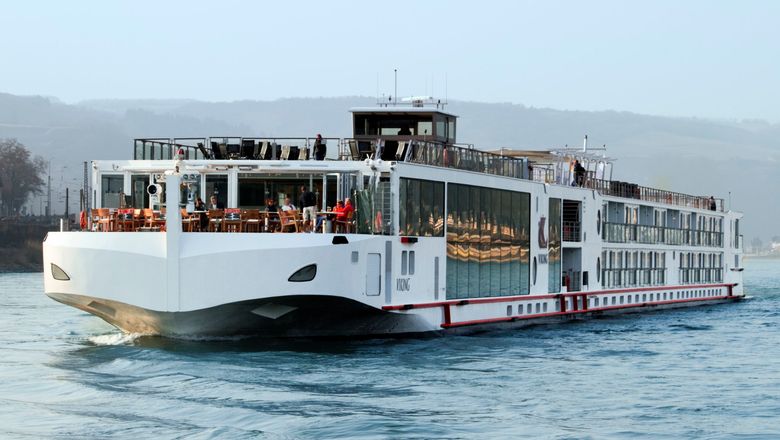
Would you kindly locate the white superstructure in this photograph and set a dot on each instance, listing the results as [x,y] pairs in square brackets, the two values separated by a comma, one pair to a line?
[445,237]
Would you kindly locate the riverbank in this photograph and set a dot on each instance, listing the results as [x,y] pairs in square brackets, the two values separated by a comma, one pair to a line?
[21,246]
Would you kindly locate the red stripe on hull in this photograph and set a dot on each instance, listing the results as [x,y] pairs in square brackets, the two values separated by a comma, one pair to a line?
[466,301]
[578,312]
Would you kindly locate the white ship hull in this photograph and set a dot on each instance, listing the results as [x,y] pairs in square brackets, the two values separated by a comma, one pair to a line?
[243,289]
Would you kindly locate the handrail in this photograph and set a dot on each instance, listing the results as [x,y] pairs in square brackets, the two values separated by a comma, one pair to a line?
[634,191]
[458,156]
[647,234]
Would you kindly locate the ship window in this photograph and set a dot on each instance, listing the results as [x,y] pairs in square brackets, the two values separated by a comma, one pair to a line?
[487,244]
[411,262]
[306,273]
[425,128]
[111,188]
[58,274]
[421,210]
[508,310]
[404,262]
[217,185]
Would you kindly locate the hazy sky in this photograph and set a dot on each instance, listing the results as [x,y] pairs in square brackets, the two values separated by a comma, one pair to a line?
[690,58]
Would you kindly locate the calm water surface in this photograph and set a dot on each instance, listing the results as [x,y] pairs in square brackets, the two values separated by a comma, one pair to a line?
[710,372]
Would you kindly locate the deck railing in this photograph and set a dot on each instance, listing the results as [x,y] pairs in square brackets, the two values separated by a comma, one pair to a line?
[629,233]
[634,191]
[459,156]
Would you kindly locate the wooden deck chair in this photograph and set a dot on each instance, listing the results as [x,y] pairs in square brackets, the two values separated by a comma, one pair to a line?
[124,220]
[232,221]
[251,220]
[216,216]
[288,222]
[345,225]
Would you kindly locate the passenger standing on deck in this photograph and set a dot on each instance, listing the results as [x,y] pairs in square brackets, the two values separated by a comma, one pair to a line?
[713,204]
[319,148]
[307,202]
[579,173]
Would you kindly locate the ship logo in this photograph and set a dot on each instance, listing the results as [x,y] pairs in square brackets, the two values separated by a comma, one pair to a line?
[542,237]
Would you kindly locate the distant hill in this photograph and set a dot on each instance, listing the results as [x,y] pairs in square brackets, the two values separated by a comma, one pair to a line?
[691,155]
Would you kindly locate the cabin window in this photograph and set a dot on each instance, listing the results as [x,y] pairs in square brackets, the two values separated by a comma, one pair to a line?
[421,204]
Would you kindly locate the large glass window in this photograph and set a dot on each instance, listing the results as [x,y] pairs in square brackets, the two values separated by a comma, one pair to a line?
[217,185]
[421,210]
[554,246]
[487,242]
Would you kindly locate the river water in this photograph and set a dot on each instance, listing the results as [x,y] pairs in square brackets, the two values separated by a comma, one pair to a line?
[707,372]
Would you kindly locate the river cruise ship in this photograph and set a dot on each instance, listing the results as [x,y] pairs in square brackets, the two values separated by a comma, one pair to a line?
[441,237]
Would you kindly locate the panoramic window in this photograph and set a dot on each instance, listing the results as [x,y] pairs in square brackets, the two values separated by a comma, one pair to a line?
[488,244]
[421,210]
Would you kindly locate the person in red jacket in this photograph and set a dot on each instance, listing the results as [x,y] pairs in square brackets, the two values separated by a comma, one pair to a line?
[346,212]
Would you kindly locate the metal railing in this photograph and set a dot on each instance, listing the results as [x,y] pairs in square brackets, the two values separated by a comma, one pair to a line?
[628,233]
[693,275]
[634,191]
[571,231]
[633,277]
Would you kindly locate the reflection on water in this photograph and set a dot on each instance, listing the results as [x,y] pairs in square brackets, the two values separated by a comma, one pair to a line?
[657,375]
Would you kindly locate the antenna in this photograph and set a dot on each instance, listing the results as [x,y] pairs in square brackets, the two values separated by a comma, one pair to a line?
[585,144]
[395,93]
[446,98]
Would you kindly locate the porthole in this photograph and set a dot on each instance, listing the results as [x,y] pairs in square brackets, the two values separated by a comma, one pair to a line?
[306,273]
